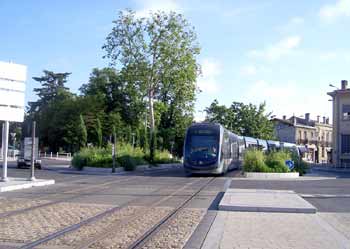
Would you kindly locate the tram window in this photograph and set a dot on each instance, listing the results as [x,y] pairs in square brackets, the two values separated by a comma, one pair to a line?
[203,146]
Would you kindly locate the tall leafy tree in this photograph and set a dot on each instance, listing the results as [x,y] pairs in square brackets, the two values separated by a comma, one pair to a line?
[82,133]
[54,111]
[99,138]
[52,84]
[243,119]
[154,53]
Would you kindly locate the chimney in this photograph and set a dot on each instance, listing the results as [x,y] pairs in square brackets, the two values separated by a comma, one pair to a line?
[327,120]
[307,117]
[318,118]
[294,120]
[344,84]
[324,120]
[284,117]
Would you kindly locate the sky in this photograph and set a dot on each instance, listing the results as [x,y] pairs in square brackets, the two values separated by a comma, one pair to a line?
[285,53]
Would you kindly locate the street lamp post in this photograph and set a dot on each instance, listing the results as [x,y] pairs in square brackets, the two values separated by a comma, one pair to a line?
[5,133]
[32,165]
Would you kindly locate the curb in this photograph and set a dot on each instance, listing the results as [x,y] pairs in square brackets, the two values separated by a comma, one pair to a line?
[258,175]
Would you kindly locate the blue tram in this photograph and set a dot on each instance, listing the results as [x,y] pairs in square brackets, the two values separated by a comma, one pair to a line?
[209,148]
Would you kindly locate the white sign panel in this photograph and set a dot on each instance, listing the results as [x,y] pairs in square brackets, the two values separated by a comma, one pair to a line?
[12,91]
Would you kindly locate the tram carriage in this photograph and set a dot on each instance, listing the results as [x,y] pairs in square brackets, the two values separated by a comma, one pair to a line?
[209,148]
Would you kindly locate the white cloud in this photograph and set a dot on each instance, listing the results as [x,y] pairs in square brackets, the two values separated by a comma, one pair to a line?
[147,6]
[276,51]
[208,82]
[289,98]
[296,20]
[249,70]
[331,12]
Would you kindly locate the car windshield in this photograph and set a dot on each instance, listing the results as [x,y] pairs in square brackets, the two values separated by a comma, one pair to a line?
[202,147]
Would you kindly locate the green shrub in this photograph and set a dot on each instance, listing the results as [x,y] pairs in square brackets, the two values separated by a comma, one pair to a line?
[162,156]
[276,161]
[254,161]
[78,161]
[299,165]
[128,162]
[127,157]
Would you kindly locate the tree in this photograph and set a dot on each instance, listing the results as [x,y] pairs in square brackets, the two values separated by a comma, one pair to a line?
[82,133]
[154,53]
[51,85]
[98,131]
[246,120]
[55,112]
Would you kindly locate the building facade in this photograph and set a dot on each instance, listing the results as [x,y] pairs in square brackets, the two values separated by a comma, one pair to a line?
[316,135]
[341,121]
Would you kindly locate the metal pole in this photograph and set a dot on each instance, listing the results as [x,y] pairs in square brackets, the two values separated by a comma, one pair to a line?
[114,151]
[32,166]
[5,140]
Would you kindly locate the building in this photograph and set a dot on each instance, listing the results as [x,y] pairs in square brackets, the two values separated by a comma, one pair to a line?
[341,121]
[315,134]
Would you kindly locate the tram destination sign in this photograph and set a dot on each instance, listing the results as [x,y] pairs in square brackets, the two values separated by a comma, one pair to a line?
[12,91]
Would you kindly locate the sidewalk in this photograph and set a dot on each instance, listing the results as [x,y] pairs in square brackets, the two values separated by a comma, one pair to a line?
[275,219]
[279,230]
[23,183]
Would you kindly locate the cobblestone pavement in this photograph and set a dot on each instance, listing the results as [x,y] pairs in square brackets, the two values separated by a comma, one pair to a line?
[125,233]
[37,223]
[280,231]
[8,205]
[177,232]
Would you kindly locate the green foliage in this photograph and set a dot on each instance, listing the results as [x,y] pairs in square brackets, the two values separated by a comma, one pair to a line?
[273,162]
[276,161]
[155,58]
[246,120]
[299,165]
[126,156]
[162,156]
[254,161]
[128,162]
[82,133]
[98,133]
[102,157]
[158,56]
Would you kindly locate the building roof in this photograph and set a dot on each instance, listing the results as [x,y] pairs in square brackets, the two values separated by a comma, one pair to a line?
[301,122]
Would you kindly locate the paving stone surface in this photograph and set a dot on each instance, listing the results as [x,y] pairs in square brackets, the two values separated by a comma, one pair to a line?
[262,200]
[339,221]
[278,230]
[8,205]
[32,225]
[177,232]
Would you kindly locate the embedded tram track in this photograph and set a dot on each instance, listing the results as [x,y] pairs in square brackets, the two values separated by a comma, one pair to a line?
[153,231]
[98,189]
[111,228]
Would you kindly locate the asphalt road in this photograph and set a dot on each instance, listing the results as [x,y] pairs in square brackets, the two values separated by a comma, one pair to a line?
[331,193]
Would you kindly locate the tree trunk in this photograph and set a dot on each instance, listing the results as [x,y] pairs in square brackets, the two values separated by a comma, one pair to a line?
[152,133]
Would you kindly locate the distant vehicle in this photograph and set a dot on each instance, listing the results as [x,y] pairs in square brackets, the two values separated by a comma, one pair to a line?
[209,148]
[24,159]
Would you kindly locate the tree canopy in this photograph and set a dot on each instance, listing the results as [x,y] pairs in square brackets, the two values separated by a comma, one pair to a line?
[157,55]
[243,119]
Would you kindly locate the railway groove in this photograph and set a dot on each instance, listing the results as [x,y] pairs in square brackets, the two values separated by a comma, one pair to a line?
[146,237]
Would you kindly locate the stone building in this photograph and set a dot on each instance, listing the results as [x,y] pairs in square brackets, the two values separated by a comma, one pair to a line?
[341,122]
[315,134]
